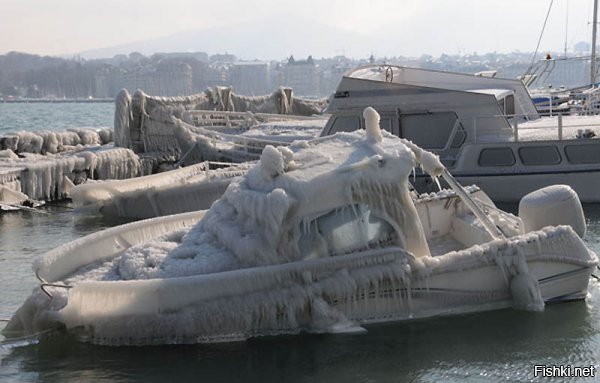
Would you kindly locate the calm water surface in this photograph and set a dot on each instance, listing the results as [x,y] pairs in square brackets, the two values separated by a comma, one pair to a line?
[501,345]
[54,116]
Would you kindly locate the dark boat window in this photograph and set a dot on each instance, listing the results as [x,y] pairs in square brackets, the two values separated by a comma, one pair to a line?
[459,137]
[428,130]
[345,124]
[509,104]
[539,155]
[496,157]
[583,154]
[386,124]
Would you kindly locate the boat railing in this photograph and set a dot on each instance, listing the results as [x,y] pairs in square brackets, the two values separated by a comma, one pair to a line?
[241,120]
[482,129]
[581,101]
[239,147]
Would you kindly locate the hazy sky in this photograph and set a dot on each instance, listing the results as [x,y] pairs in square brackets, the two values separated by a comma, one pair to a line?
[408,27]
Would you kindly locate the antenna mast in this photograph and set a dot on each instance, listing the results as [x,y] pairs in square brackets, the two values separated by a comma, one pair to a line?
[593,61]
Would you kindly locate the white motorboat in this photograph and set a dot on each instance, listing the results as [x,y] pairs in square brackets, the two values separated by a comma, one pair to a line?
[323,236]
[486,130]
[193,187]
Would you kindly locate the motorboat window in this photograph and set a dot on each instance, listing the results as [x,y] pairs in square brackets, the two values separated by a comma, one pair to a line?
[386,124]
[460,136]
[345,124]
[509,105]
[428,130]
[346,229]
[583,154]
[539,155]
[496,157]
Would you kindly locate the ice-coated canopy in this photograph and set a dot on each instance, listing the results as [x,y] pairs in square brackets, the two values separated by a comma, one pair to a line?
[315,199]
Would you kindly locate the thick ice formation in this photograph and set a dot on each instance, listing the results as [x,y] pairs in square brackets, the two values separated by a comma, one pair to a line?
[199,144]
[51,142]
[319,236]
[51,176]
[273,213]
[191,188]
[144,123]
[11,197]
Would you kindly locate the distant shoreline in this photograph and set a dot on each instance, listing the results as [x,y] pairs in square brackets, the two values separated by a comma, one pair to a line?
[57,101]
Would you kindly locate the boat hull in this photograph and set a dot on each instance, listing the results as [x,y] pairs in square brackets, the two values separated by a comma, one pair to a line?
[511,181]
[332,294]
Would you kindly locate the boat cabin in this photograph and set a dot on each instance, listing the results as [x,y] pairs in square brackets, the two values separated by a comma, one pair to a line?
[435,110]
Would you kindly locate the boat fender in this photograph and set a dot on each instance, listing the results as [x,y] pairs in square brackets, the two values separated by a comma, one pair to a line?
[552,206]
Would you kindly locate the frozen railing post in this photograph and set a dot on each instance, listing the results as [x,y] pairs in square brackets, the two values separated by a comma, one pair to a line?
[560,127]
[489,226]
[516,129]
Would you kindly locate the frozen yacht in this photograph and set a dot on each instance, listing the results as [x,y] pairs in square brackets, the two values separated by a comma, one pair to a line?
[323,236]
[485,130]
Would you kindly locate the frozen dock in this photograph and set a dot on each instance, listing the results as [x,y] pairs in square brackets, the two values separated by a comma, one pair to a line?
[46,165]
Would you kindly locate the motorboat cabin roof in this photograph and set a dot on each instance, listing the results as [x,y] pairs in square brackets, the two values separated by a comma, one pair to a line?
[443,81]
[424,105]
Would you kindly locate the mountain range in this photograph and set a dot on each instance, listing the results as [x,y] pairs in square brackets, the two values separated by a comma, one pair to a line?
[262,40]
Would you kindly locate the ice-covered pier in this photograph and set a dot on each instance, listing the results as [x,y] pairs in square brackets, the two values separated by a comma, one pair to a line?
[46,165]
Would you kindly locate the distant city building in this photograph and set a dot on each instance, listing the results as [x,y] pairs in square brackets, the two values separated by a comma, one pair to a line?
[332,71]
[302,76]
[176,74]
[218,74]
[200,56]
[108,80]
[250,78]
[169,78]
[223,58]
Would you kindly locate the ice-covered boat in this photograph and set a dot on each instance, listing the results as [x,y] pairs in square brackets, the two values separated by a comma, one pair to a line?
[190,188]
[323,236]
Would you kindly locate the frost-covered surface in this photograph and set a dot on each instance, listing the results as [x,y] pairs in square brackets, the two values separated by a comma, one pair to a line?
[287,131]
[10,196]
[190,188]
[320,236]
[198,144]
[144,123]
[552,205]
[52,142]
[51,176]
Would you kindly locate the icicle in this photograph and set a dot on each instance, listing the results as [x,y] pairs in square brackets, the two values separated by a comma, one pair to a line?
[437,182]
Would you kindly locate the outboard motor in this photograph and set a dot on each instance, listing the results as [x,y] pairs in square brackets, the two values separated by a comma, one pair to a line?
[552,206]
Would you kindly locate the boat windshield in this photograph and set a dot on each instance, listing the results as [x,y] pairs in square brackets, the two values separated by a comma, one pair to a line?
[344,230]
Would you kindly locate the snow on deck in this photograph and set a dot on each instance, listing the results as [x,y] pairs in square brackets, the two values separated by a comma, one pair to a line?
[288,131]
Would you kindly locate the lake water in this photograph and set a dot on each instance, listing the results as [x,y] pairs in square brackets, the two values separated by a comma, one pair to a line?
[500,345]
[54,116]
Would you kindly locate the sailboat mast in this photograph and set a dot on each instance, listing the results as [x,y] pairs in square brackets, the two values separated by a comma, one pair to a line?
[593,61]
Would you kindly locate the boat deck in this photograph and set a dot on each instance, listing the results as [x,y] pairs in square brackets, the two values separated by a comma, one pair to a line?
[444,244]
